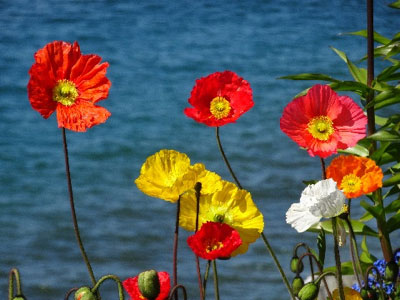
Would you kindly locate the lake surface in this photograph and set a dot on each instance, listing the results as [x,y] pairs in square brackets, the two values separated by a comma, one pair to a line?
[156,51]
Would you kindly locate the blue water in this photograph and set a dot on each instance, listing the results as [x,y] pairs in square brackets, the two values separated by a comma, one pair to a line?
[156,50]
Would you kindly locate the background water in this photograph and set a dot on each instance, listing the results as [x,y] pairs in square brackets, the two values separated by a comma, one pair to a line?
[156,50]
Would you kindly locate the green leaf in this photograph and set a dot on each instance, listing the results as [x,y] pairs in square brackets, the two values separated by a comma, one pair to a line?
[394,51]
[310,76]
[356,150]
[393,206]
[377,37]
[352,86]
[385,98]
[389,74]
[358,228]
[321,244]
[385,136]
[395,4]
[393,223]
[395,179]
[359,74]
[380,120]
[308,182]
[366,217]
[376,211]
[347,268]
[377,155]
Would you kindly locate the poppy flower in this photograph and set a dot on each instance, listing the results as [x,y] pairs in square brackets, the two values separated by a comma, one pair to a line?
[349,294]
[355,175]
[231,206]
[131,286]
[322,121]
[214,240]
[65,81]
[219,98]
[168,173]
[320,200]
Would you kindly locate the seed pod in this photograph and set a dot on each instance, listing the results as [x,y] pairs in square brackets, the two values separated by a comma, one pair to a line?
[149,284]
[295,264]
[84,293]
[297,285]
[309,291]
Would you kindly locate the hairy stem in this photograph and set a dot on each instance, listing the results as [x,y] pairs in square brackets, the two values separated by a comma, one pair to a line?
[175,251]
[216,288]
[72,204]
[339,278]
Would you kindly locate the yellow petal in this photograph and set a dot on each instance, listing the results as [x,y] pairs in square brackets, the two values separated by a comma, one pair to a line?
[166,175]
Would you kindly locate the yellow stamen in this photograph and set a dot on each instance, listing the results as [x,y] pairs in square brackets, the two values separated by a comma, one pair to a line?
[321,128]
[351,183]
[65,92]
[214,246]
[220,107]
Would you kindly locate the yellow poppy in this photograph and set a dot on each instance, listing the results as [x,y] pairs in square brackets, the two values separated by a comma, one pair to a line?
[230,205]
[167,174]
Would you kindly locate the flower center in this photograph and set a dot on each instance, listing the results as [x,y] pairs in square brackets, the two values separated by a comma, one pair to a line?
[220,107]
[213,245]
[219,218]
[65,92]
[321,128]
[351,183]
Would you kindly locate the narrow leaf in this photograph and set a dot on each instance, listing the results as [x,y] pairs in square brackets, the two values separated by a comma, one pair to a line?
[393,223]
[395,179]
[310,76]
[377,37]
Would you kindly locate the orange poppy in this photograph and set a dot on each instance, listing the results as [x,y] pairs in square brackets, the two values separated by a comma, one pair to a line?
[65,81]
[354,175]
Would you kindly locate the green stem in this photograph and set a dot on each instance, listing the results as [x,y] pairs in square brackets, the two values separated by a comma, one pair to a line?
[278,265]
[74,218]
[207,272]
[216,288]
[174,291]
[355,258]
[70,292]
[14,274]
[197,188]
[175,250]
[226,159]
[339,278]
[111,277]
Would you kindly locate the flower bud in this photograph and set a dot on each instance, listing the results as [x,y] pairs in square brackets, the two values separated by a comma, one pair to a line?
[368,294]
[149,284]
[19,297]
[297,284]
[296,265]
[391,271]
[309,291]
[85,293]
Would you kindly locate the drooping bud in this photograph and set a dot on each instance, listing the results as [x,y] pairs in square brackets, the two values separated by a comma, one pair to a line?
[297,285]
[296,265]
[149,284]
[391,271]
[85,293]
[309,291]
[368,294]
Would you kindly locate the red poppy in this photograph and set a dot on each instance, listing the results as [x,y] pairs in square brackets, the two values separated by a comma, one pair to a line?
[214,240]
[64,80]
[322,121]
[219,98]
[132,288]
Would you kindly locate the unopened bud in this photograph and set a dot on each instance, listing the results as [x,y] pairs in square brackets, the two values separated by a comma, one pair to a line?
[296,265]
[85,293]
[149,284]
[368,294]
[309,291]
[391,271]
[297,285]
[19,297]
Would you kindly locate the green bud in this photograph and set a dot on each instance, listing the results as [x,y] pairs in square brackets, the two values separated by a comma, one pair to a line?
[294,264]
[19,297]
[309,291]
[297,284]
[391,271]
[149,284]
[85,293]
[368,294]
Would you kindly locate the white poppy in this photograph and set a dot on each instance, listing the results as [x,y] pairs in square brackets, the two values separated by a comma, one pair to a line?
[320,200]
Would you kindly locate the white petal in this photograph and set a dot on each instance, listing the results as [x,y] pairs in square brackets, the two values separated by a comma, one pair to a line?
[300,218]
